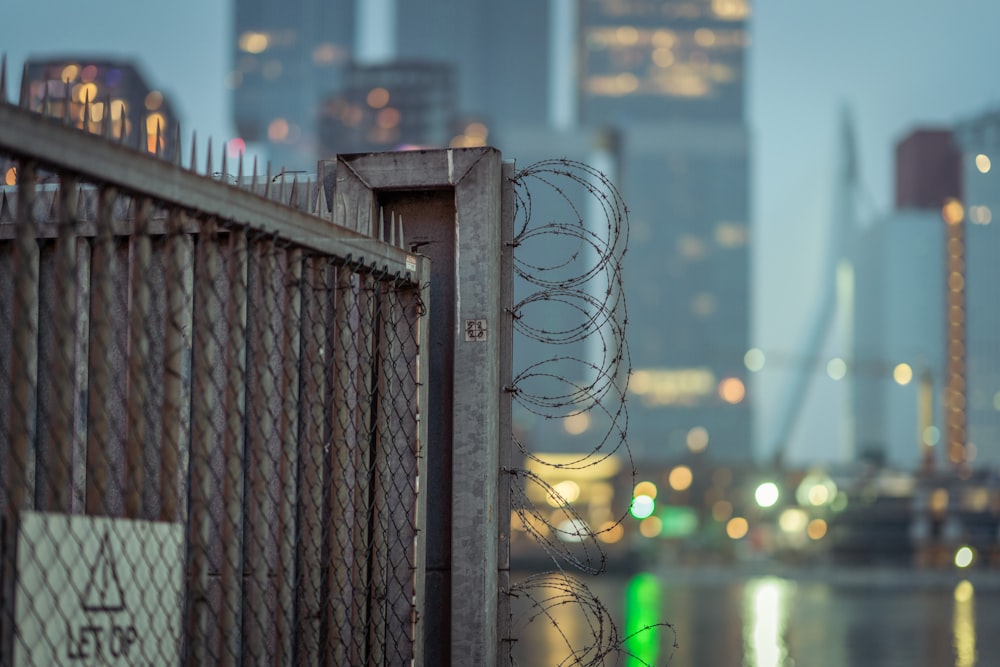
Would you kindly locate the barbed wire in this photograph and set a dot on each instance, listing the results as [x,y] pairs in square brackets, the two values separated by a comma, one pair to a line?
[584,276]
[571,236]
[548,597]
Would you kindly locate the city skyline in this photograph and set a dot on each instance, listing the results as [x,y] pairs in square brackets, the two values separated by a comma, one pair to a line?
[798,80]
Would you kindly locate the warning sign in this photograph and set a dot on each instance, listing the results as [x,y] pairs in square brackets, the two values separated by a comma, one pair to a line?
[97,591]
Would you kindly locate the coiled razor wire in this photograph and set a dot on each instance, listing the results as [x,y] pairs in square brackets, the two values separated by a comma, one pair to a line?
[571,267]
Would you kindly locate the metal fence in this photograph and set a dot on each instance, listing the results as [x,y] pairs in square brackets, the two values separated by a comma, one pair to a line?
[210,401]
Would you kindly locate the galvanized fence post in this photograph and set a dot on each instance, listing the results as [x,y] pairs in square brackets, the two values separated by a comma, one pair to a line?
[452,208]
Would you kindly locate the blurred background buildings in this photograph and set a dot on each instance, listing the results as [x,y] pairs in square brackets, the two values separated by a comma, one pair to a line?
[652,93]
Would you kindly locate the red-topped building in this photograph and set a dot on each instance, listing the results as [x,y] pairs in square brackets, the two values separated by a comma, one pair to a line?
[928,169]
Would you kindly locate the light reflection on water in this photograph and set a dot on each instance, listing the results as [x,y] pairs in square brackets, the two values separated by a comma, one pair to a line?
[766,614]
[965,625]
[720,618]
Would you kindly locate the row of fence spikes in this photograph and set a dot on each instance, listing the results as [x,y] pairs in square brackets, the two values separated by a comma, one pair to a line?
[137,138]
[393,234]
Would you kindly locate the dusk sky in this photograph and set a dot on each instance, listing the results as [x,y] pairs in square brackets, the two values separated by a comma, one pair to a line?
[894,64]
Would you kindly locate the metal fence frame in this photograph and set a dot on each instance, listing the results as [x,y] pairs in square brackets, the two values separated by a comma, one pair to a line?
[352,235]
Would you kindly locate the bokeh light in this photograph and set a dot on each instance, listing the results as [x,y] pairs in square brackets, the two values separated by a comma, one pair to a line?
[645,489]
[767,494]
[737,528]
[680,478]
[642,506]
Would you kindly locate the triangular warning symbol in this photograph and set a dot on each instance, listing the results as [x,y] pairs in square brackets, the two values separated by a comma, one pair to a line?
[104,590]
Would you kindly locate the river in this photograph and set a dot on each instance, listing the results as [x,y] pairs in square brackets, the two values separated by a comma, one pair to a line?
[787,618]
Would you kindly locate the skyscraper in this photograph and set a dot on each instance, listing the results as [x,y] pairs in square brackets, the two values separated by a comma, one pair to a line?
[388,107]
[114,92]
[669,75]
[286,58]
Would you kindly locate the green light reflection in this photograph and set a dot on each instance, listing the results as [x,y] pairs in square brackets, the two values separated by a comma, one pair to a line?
[642,632]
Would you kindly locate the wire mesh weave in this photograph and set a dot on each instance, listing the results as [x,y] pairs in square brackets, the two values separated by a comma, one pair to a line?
[207,435]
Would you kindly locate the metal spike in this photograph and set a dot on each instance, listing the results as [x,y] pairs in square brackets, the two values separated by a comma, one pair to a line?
[156,146]
[3,78]
[392,228]
[5,214]
[24,98]
[106,118]
[310,198]
[239,170]
[123,135]
[322,203]
[267,181]
[86,112]
[293,197]
[225,162]
[253,179]
[401,243]
[129,208]
[177,144]
[193,164]
[53,203]
[81,203]
[66,93]
[208,161]
[141,136]
[281,188]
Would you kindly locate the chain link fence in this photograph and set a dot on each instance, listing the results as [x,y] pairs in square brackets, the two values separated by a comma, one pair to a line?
[209,429]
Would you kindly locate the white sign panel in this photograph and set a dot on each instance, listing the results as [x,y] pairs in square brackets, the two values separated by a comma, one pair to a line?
[98,591]
[475,331]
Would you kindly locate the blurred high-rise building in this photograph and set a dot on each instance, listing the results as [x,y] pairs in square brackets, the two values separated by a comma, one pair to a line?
[115,93]
[898,359]
[649,91]
[286,57]
[669,77]
[979,141]
[388,107]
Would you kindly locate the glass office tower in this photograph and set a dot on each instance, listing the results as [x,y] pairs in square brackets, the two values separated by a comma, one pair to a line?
[669,76]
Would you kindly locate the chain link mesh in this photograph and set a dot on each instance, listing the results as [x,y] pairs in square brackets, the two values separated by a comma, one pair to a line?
[207,435]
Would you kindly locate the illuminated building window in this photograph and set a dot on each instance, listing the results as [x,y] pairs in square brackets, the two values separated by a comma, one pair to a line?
[277,130]
[731,234]
[253,42]
[327,54]
[271,70]
[661,387]
[691,247]
[703,305]
[731,10]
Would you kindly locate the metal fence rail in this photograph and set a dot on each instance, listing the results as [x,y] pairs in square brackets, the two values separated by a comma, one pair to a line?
[209,426]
